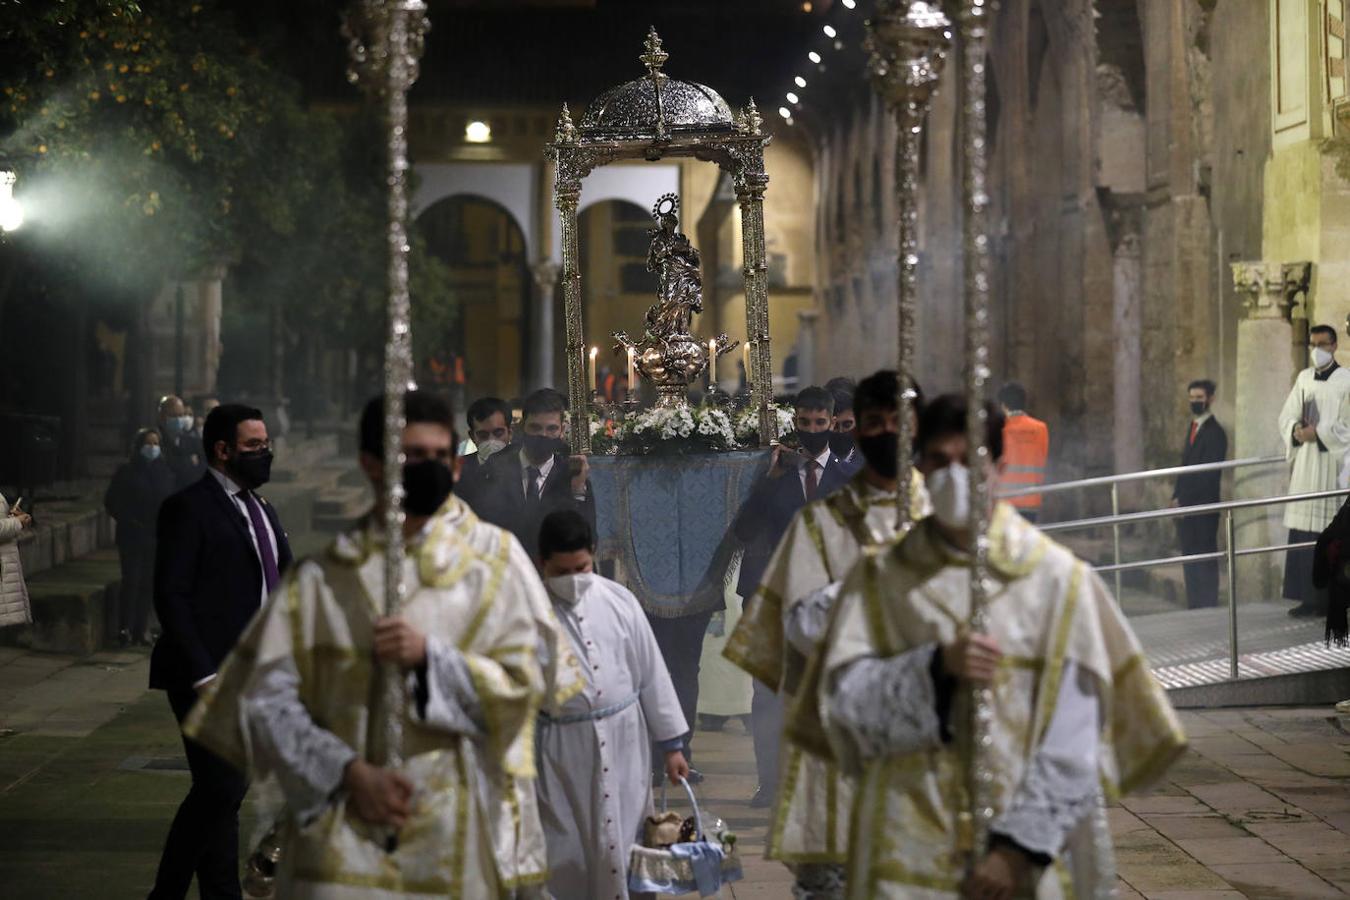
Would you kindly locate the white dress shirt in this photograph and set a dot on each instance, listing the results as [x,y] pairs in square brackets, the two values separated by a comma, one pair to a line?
[544,469]
[820,461]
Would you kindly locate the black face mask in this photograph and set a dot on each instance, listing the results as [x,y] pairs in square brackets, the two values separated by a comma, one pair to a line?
[1198,407]
[539,447]
[842,443]
[426,486]
[814,442]
[252,469]
[880,452]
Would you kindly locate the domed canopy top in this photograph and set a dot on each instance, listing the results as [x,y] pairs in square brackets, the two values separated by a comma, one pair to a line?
[656,105]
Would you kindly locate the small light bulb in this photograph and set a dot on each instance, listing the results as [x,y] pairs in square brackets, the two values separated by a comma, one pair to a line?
[829,31]
[477,132]
[813,56]
[849,4]
[800,81]
[793,98]
[785,112]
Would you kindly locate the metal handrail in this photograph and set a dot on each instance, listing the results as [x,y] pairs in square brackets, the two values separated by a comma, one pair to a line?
[1201,557]
[1177,512]
[1142,475]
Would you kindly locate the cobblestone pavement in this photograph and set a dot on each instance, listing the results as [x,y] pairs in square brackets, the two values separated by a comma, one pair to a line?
[91,772]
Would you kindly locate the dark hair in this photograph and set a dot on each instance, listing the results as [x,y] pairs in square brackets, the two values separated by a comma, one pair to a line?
[1013,396]
[222,424]
[485,408]
[418,406]
[879,390]
[814,398]
[544,400]
[947,415]
[842,400]
[1323,329]
[841,384]
[141,434]
[1204,384]
[565,531]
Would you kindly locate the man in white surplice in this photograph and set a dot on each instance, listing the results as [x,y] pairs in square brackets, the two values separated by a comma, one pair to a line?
[1315,429]
[594,757]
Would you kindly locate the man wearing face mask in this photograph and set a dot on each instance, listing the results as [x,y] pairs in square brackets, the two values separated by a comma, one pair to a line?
[489,420]
[843,439]
[181,448]
[1206,442]
[220,551]
[795,478]
[788,617]
[462,802]
[892,697]
[133,498]
[1315,428]
[517,488]
[594,788]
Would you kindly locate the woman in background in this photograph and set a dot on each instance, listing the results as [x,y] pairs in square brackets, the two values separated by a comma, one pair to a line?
[14,606]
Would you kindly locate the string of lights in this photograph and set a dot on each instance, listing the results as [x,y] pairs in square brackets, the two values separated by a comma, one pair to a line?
[835,42]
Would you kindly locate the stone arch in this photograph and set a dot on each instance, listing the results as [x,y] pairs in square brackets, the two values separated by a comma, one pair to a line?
[488,255]
[511,186]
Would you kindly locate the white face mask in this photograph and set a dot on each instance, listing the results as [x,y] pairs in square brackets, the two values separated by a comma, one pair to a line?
[1321,358]
[569,588]
[489,447]
[949,490]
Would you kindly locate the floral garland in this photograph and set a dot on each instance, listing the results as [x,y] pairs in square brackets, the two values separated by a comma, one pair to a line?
[698,429]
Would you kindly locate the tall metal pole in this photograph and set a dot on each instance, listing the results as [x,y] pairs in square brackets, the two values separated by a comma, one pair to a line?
[385,40]
[974,33]
[907,43]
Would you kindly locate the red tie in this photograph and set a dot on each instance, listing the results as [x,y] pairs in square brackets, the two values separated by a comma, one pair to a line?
[1195,426]
[812,480]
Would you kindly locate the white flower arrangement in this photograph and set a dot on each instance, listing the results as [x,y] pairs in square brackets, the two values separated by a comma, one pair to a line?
[661,430]
[747,422]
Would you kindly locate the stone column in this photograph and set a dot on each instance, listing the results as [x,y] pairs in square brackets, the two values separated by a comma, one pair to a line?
[1267,361]
[545,274]
[806,347]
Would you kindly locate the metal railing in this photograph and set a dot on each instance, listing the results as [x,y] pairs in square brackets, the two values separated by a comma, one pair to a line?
[1230,553]
[1114,482]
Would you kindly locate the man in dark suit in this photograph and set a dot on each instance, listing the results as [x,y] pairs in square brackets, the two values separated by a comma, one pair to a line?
[489,420]
[516,488]
[1206,442]
[221,551]
[795,477]
[181,449]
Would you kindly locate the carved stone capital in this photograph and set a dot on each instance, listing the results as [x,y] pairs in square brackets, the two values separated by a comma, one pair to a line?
[545,274]
[1268,290]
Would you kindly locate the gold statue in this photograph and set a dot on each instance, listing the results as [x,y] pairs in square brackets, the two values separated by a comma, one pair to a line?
[668,354]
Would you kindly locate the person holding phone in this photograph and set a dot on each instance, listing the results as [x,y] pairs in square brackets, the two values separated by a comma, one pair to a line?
[516,489]
[14,606]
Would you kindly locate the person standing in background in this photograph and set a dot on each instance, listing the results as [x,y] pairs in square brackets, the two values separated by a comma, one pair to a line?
[14,606]
[1206,442]
[1314,425]
[1026,442]
[180,449]
[138,488]
[489,420]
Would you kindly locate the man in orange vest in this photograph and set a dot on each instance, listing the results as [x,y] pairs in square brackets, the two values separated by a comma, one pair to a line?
[1026,446]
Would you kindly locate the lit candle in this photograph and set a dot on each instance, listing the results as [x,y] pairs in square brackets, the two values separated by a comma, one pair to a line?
[594,352]
[632,371]
[712,363]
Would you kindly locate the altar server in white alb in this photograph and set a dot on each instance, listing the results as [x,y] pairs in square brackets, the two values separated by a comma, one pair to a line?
[787,620]
[1315,428]
[594,756]
[1075,709]
[294,698]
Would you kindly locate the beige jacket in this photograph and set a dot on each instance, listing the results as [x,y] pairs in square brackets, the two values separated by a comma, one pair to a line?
[14,606]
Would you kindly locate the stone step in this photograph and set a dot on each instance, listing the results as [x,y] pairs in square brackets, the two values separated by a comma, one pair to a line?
[74,606]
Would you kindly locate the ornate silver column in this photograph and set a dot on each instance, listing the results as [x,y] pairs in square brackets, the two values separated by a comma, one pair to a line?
[974,165]
[385,41]
[749,181]
[907,43]
[566,195]
[545,274]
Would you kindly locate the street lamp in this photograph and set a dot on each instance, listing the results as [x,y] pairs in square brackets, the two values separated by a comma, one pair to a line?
[11,211]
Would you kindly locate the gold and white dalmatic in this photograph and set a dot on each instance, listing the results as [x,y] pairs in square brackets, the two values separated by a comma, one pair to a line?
[1322,464]
[1075,709]
[784,623]
[293,700]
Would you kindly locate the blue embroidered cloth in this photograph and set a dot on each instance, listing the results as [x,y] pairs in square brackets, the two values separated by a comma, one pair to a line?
[666,520]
